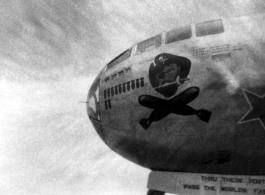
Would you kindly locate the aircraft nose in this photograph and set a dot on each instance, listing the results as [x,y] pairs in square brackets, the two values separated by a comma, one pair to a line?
[93,101]
[93,106]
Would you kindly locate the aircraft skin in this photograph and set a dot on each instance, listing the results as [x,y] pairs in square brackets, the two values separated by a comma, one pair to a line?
[194,105]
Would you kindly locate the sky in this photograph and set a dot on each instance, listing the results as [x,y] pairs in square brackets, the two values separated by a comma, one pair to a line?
[50,52]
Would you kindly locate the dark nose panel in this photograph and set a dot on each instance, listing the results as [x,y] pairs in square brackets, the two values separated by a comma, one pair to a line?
[93,108]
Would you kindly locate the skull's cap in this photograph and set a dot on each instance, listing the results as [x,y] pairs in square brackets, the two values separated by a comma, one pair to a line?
[165,59]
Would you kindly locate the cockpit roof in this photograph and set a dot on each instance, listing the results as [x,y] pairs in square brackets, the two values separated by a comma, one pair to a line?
[201,29]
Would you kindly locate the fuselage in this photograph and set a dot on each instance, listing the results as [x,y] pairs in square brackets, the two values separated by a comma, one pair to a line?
[197,113]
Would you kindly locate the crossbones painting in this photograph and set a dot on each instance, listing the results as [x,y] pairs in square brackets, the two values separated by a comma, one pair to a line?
[166,74]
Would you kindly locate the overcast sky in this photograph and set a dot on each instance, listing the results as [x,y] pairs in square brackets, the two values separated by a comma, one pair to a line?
[50,52]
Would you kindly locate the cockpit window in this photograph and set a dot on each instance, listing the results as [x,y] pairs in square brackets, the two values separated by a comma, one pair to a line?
[149,44]
[209,28]
[178,34]
[120,58]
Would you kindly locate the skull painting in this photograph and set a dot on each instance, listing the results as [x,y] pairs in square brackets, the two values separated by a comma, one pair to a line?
[168,72]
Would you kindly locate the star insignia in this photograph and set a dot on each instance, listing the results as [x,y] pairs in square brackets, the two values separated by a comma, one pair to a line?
[257,108]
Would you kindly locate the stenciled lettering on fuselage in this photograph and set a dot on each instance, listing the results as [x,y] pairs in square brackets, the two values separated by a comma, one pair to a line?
[166,74]
[120,89]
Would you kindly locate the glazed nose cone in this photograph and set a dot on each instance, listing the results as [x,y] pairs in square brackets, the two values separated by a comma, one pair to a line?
[93,106]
